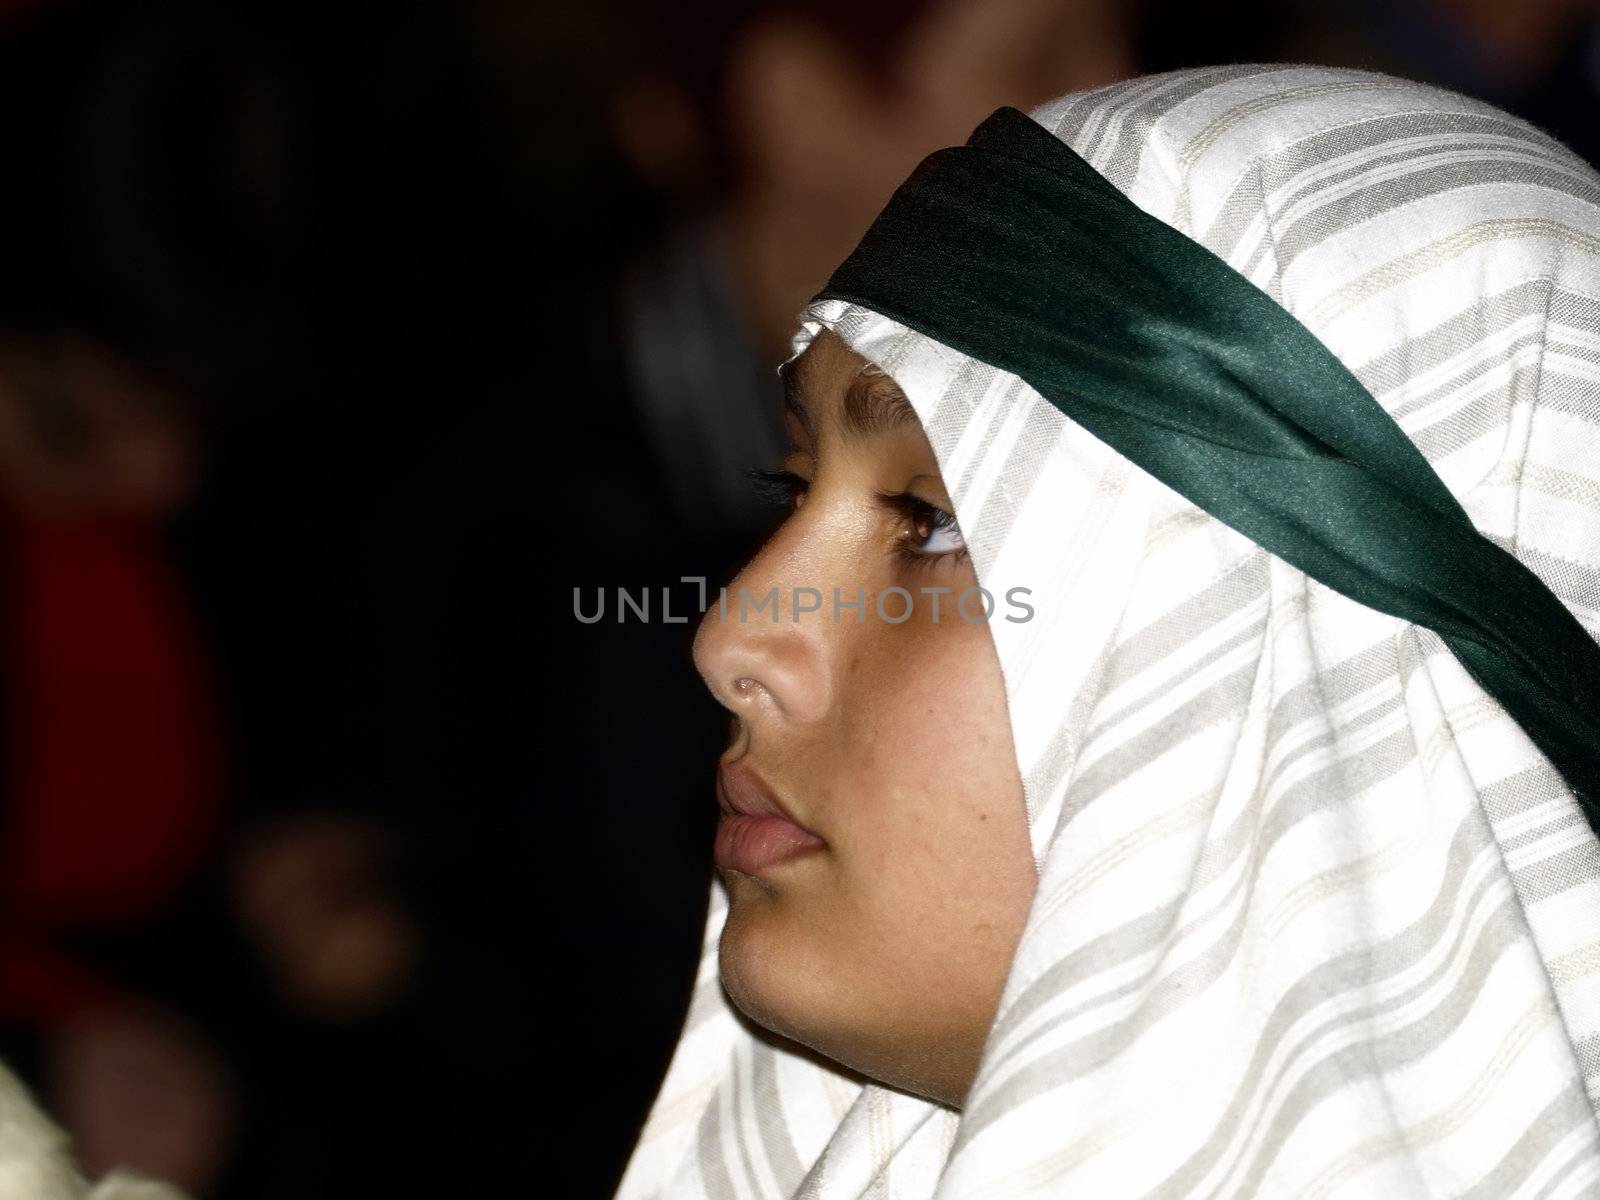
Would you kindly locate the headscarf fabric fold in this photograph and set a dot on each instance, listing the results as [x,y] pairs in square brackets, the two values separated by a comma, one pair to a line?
[1318,909]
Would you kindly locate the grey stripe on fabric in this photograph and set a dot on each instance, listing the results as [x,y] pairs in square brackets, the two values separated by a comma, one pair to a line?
[1052,767]
[1135,99]
[1359,972]
[710,1152]
[1573,309]
[1277,173]
[1576,1167]
[1338,781]
[1245,207]
[1082,121]
[1226,120]
[1196,616]
[1162,689]
[995,415]
[1308,797]
[1567,1110]
[1337,216]
[1522,356]
[1198,145]
[1564,821]
[1588,1052]
[998,509]
[1307,700]
[1359,969]
[1330,736]
[1529,788]
[1218,703]
[1570,395]
[1469,1103]
[1566,340]
[1133,125]
[1331,688]
[1478,418]
[1103,953]
[1426,258]
[1574,865]
[1052,982]
[741,1102]
[1391,1051]
[1453,338]
[775,1137]
[1260,827]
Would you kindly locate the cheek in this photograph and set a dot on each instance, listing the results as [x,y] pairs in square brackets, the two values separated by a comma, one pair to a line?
[932,814]
[901,940]
[893,946]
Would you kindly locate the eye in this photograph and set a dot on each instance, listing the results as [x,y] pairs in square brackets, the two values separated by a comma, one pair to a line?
[934,531]
[929,534]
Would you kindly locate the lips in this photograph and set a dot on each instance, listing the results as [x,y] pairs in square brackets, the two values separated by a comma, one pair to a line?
[755,833]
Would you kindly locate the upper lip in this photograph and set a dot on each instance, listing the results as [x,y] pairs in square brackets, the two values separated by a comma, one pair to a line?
[740,790]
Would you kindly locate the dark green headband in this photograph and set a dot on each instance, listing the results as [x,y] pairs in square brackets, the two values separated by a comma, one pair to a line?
[1014,251]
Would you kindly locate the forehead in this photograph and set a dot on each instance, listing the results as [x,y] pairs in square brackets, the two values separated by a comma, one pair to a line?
[831,385]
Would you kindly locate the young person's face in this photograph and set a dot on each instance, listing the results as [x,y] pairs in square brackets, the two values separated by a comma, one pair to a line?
[875,909]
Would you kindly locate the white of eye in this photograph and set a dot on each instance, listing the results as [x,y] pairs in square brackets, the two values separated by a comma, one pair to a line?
[943,540]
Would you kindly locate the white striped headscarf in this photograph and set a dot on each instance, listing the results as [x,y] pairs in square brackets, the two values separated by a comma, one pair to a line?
[1314,917]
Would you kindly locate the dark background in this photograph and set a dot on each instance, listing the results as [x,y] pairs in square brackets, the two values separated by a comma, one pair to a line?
[338,345]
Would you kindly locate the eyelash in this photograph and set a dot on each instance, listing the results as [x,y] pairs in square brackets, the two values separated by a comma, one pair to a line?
[777,487]
[785,488]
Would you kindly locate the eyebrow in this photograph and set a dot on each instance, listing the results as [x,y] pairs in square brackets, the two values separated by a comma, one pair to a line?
[873,404]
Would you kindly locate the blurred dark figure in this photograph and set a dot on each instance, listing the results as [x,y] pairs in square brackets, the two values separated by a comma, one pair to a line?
[114,793]
[111,788]
[237,243]
[1539,59]
[778,130]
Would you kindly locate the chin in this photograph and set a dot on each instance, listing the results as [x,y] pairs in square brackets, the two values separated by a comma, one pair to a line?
[769,971]
[751,954]
[798,1002]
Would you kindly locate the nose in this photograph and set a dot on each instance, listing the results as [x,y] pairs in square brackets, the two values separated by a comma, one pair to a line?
[763,650]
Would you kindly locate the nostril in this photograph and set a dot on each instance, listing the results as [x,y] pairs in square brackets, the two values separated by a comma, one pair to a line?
[783,676]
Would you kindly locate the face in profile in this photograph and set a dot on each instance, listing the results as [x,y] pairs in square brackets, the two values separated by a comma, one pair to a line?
[874,840]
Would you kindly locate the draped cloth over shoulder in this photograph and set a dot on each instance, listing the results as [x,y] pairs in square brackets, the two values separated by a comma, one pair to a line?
[1279,388]
[36,1159]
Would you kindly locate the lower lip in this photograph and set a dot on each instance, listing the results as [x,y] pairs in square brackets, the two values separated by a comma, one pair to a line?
[751,844]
